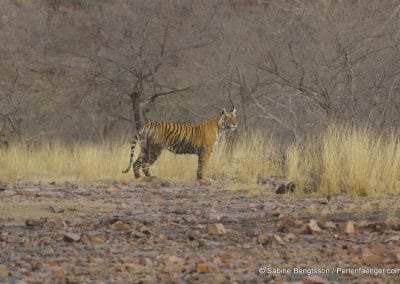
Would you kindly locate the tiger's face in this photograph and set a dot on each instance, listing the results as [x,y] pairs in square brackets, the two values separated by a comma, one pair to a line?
[228,120]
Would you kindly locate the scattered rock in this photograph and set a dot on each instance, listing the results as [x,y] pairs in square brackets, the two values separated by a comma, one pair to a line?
[330,225]
[207,267]
[216,229]
[166,183]
[289,237]
[175,259]
[313,226]
[56,223]
[286,188]
[263,239]
[71,237]
[350,228]
[395,238]
[56,209]
[289,224]
[146,261]
[144,229]
[323,201]
[279,239]
[178,233]
[94,238]
[3,186]
[120,226]
[112,190]
[32,222]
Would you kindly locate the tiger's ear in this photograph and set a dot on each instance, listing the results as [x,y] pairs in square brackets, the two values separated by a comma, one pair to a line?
[234,111]
[223,111]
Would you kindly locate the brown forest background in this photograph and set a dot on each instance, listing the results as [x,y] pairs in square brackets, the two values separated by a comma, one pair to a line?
[94,70]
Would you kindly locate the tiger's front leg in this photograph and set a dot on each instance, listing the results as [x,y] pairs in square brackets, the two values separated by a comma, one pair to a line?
[204,158]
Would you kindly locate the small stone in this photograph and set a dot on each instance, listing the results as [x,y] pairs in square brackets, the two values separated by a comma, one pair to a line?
[112,190]
[190,219]
[56,223]
[289,237]
[71,237]
[56,209]
[313,226]
[145,230]
[263,239]
[290,187]
[205,268]
[323,201]
[38,265]
[136,234]
[349,228]
[32,222]
[175,259]
[145,261]
[94,239]
[395,238]
[120,226]
[166,183]
[216,229]
[330,225]
[279,239]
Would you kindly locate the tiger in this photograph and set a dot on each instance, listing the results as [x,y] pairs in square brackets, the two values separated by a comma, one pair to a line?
[180,139]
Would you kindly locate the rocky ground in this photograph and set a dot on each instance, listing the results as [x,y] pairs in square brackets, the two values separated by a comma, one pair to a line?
[154,231]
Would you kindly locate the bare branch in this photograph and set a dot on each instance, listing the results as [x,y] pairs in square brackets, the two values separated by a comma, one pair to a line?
[173,91]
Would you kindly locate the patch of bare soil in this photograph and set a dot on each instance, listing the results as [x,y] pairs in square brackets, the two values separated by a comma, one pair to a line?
[157,232]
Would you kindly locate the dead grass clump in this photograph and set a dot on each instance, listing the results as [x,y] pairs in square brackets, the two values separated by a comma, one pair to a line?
[348,159]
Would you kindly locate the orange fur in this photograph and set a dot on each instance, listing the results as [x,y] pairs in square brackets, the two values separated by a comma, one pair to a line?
[180,139]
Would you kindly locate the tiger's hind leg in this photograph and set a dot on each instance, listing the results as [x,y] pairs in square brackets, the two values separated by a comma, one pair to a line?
[142,155]
[136,166]
[150,157]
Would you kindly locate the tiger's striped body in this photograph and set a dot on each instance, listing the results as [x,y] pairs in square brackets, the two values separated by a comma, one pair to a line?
[180,139]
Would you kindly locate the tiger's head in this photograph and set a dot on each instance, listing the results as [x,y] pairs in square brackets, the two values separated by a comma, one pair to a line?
[227,120]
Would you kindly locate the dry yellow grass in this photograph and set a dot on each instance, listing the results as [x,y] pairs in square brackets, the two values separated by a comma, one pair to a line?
[252,156]
[348,159]
[343,158]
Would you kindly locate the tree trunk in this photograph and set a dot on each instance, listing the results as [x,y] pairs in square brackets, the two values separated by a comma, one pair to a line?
[135,100]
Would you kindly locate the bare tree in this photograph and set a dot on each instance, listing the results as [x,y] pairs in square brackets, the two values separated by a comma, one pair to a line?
[135,53]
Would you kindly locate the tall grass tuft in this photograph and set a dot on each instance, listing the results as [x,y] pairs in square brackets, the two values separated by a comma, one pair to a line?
[348,159]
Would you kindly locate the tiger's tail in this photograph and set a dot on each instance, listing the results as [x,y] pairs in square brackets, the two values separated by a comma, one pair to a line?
[133,146]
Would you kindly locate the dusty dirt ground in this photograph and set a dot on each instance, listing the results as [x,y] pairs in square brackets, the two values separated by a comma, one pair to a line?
[154,231]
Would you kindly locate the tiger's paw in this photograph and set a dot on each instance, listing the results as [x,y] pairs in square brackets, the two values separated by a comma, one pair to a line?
[204,182]
[149,178]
